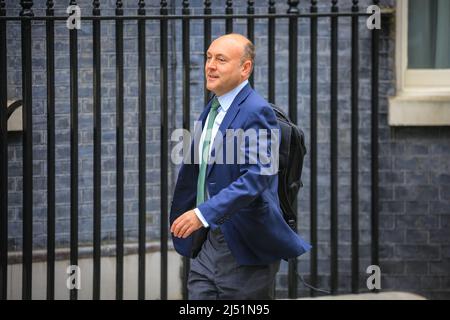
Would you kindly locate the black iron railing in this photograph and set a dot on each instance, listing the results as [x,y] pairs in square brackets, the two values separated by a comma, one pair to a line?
[293,15]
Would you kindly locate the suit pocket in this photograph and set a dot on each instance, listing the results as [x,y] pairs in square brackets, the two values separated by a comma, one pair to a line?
[256,213]
[212,188]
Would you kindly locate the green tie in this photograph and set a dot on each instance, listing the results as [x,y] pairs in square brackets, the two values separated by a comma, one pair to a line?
[205,152]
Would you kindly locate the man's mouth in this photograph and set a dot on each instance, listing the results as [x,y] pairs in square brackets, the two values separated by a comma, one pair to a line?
[211,77]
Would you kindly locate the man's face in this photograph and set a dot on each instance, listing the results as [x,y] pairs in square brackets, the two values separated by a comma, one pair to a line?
[223,70]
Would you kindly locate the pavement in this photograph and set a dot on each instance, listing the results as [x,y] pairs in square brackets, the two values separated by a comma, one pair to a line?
[393,295]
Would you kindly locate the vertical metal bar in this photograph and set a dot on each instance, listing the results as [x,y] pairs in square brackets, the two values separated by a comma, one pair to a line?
[50,51]
[334,152]
[119,152]
[27,149]
[96,33]
[73,44]
[142,151]
[271,52]
[229,20]
[355,149]
[186,107]
[164,130]
[251,29]
[206,41]
[313,156]
[293,32]
[3,159]
[374,142]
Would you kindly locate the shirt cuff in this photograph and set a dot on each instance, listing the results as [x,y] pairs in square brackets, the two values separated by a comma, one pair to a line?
[200,216]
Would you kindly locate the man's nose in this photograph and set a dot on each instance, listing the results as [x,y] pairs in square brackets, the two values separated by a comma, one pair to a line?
[210,65]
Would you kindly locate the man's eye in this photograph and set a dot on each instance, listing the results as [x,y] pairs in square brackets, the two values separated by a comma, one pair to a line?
[221,59]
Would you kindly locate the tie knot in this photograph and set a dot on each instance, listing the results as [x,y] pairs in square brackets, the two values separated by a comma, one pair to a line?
[215,104]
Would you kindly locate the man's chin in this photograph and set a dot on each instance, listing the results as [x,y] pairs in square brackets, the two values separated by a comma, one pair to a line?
[211,88]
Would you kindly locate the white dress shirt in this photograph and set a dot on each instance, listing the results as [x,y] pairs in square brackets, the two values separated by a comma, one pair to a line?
[225,101]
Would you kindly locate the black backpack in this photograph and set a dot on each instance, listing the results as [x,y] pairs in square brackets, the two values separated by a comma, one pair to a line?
[292,153]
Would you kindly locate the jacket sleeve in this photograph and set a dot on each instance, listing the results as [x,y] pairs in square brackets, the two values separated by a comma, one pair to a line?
[255,174]
[185,199]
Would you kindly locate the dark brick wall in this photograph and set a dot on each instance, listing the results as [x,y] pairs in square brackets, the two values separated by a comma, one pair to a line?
[414,162]
[415,184]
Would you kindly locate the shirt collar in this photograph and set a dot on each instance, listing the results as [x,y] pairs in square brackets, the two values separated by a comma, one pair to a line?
[226,99]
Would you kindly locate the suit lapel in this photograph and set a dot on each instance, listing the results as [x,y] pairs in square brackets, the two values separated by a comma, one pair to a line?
[205,113]
[232,112]
[197,134]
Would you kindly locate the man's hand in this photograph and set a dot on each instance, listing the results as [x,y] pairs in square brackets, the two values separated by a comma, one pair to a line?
[185,224]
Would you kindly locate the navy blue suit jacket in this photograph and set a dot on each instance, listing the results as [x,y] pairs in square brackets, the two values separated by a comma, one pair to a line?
[242,202]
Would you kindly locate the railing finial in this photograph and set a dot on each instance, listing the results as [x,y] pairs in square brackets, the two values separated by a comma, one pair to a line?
[26,8]
[2,8]
[186,9]
[313,8]
[119,9]
[250,7]
[50,10]
[163,7]
[141,5]
[272,8]
[207,8]
[96,9]
[293,6]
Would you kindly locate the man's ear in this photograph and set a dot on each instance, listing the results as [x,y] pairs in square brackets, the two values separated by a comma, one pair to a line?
[247,67]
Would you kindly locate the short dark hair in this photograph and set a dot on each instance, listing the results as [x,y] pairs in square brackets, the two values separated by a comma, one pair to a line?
[249,54]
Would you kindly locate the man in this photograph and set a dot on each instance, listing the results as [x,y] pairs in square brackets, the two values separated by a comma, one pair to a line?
[226,216]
